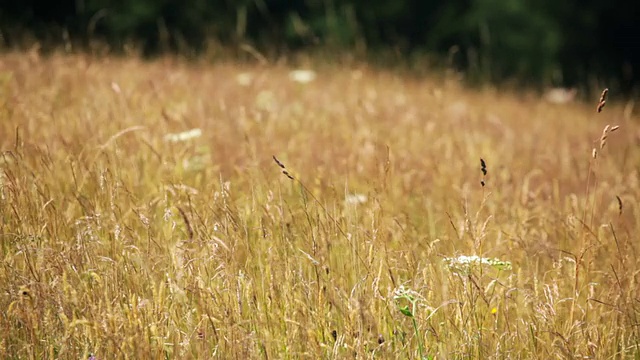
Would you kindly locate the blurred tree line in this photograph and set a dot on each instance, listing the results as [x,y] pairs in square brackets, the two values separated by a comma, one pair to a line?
[546,41]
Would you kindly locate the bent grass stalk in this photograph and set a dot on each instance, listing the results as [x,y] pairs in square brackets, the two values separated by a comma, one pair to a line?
[591,189]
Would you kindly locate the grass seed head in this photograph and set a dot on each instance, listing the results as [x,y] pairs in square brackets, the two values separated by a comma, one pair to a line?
[605,134]
[284,168]
[483,168]
[278,162]
[603,137]
[603,99]
[619,204]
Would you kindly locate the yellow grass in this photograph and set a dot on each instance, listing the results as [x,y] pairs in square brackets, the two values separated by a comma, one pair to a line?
[123,238]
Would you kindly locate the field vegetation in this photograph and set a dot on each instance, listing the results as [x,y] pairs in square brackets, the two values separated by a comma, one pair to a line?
[167,209]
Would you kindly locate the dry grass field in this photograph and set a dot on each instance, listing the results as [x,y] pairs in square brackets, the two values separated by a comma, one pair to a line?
[143,215]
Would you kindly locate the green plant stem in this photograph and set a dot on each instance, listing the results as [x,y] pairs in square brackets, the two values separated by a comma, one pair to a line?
[420,346]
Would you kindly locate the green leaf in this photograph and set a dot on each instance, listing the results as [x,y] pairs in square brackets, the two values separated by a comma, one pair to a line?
[405,310]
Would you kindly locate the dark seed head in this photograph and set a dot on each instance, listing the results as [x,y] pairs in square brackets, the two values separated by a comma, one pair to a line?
[278,162]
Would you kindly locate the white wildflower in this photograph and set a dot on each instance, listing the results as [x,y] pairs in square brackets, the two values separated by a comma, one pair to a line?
[466,264]
[183,136]
[145,220]
[354,199]
[244,79]
[405,293]
[560,95]
[167,214]
[302,76]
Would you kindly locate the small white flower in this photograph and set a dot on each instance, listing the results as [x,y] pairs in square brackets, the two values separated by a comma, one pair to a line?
[183,136]
[302,76]
[560,95]
[464,264]
[355,199]
[405,293]
[145,220]
[244,79]
[167,214]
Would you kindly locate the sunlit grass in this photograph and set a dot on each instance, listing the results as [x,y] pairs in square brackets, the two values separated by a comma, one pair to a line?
[144,216]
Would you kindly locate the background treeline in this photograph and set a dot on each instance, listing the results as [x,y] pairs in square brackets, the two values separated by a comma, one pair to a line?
[544,41]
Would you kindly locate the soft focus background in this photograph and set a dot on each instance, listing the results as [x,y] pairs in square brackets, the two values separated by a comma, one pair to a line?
[562,43]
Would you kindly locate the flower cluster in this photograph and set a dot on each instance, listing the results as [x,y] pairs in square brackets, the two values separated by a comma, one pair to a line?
[405,293]
[466,264]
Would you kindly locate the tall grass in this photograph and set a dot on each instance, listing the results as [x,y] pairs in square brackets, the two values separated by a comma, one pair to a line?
[143,216]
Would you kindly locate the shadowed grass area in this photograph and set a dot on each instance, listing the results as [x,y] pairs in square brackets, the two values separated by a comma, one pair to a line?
[144,216]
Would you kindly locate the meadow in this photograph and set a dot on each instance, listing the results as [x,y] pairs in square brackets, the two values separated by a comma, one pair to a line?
[225,210]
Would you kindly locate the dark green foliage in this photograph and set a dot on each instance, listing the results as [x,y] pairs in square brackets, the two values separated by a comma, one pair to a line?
[539,40]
